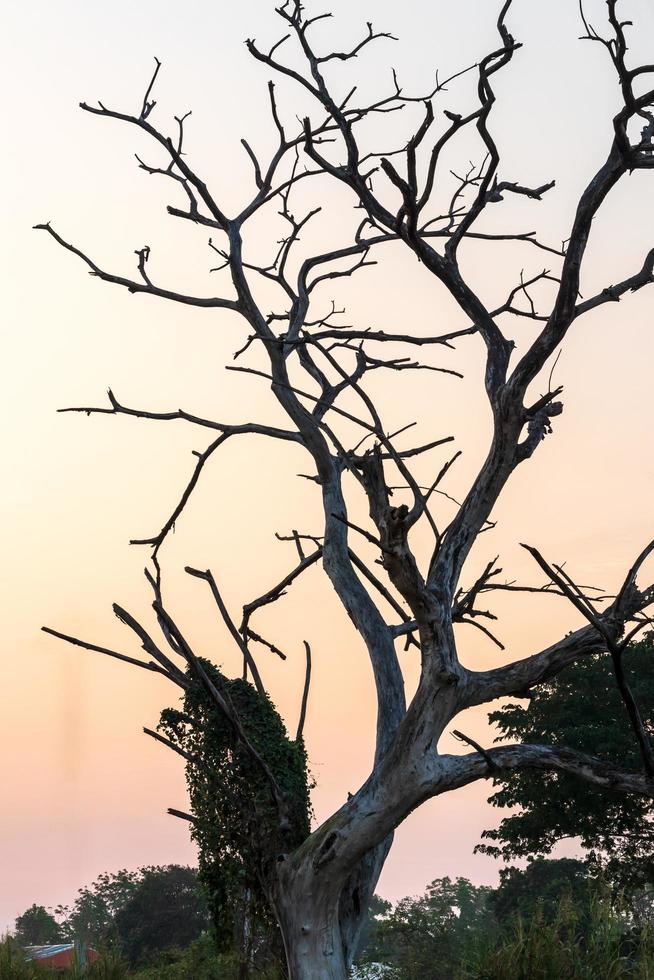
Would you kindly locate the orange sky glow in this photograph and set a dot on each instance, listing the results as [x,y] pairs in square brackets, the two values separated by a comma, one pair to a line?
[83,790]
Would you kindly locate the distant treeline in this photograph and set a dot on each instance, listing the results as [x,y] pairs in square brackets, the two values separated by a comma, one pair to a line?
[554,919]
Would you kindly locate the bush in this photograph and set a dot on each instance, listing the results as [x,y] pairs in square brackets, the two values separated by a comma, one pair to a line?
[14,966]
[110,966]
[198,962]
[12,962]
[559,948]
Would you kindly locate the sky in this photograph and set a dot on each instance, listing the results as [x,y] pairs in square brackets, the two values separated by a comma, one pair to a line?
[84,791]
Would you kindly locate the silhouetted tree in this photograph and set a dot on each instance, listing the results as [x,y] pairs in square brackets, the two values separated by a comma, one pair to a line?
[580,708]
[166,909]
[318,368]
[92,916]
[37,927]
[427,936]
[540,887]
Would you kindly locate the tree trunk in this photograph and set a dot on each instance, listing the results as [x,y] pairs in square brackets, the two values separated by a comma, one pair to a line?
[312,935]
[357,895]
[319,945]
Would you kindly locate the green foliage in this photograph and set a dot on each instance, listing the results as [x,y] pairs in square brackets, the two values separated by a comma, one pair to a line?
[37,927]
[539,889]
[14,966]
[110,966]
[199,962]
[167,908]
[135,913]
[238,829]
[550,921]
[580,708]
[560,947]
[427,936]
[372,931]
[12,962]
[91,918]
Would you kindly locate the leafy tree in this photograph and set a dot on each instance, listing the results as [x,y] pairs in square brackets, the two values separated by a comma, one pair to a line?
[550,921]
[581,708]
[138,912]
[427,936]
[538,889]
[373,931]
[92,916]
[166,909]
[37,927]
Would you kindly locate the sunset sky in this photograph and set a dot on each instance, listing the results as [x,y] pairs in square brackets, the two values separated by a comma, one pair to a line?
[84,791]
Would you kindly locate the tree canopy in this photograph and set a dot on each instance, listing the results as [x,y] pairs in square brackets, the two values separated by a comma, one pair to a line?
[581,708]
[92,916]
[430,934]
[166,909]
[138,912]
[37,927]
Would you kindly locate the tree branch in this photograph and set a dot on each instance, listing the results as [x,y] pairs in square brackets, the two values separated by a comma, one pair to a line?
[305,693]
[145,286]
[466,769]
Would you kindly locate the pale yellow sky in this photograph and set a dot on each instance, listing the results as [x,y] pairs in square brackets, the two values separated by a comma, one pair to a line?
[84,790]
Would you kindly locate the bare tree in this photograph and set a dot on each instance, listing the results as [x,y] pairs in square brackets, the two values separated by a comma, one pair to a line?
[320,890]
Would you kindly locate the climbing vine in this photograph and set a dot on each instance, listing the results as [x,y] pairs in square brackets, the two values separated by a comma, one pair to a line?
[237,822]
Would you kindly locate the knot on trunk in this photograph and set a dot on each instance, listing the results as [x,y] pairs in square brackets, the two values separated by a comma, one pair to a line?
[538,426]
[326,851]
[396,527]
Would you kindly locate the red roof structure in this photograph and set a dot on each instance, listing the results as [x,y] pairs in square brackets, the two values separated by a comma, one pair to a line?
[60,957]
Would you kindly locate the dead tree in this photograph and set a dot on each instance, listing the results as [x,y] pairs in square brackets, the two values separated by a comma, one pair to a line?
[320,890]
